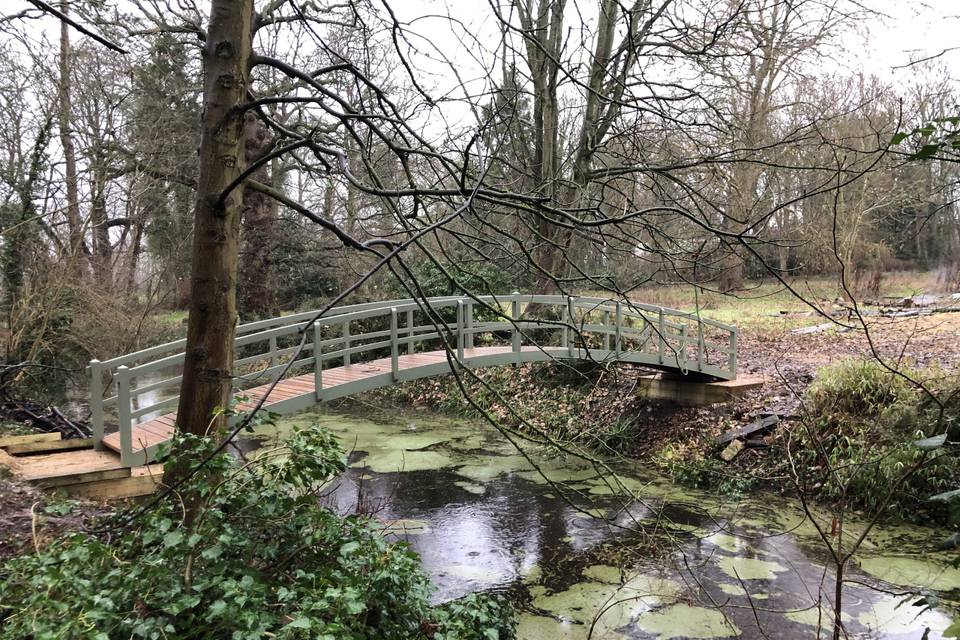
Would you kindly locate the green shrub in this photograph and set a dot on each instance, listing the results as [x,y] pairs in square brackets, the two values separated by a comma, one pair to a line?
[261,559]
[858,388]
[861,422]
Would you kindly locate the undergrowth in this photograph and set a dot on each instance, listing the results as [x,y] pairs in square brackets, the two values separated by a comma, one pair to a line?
[856,441]
[572,402]
[261,559]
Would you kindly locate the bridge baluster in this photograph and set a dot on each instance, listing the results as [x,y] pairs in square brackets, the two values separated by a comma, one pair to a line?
[514,330]
[572,336]
[700,346]
[460,306]
[317,360]
[394,347]
[619,328]
[346,343]
[662,336]
[273,351]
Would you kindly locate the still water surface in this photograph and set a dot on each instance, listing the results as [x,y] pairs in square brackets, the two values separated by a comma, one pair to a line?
[664,562]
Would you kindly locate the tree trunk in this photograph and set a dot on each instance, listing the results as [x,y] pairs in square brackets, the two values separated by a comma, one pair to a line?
[102,250]
[208,369]
[257,287]
[69,150]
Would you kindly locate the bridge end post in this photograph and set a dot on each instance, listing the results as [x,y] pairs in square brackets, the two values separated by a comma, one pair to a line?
[469,320]
[96,403]
[123,416]
[317,362]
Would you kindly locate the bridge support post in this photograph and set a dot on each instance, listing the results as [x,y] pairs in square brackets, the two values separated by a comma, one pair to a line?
[346,343]
[123,415]
[394,347]
[96,403]
[317,361]
[571,317]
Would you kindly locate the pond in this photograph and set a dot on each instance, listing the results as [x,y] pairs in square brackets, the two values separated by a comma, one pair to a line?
[633,558]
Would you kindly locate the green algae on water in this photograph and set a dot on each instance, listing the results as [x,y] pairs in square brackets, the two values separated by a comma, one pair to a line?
[750,568]
[682,620]
[912,571]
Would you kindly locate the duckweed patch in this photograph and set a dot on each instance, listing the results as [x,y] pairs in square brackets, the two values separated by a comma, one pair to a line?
[682,620]
[750,568]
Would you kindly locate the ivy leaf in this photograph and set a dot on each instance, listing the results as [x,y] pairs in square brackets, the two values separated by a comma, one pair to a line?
[173,538]
[302,622]
[349,548]
[931,444]
[899,137]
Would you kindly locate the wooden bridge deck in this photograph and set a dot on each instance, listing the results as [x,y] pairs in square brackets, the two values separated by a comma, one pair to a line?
[156,431]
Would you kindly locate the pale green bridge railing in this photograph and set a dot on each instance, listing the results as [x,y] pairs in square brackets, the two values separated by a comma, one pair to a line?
[133,388]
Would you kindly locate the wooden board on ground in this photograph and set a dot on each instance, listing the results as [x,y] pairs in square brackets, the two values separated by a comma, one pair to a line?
[6,441]
[69,467]
[50,446]
[141,483]
[761,425]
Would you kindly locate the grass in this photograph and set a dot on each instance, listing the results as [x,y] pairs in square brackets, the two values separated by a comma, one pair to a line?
[764,302]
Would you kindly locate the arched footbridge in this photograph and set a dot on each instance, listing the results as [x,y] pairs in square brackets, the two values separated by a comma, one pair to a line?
[367,346]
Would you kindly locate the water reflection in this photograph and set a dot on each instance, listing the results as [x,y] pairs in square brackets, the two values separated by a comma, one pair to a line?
[485,520]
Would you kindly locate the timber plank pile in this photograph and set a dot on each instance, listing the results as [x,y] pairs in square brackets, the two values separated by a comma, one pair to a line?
[74,466]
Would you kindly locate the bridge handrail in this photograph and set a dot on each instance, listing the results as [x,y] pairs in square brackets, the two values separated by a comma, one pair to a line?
[665,327]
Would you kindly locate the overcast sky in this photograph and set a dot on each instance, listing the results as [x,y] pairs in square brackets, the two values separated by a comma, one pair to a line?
[913,30]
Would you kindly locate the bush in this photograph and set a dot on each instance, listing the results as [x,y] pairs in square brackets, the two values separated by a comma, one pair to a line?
[861,422]
[857,388]
[261,559]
